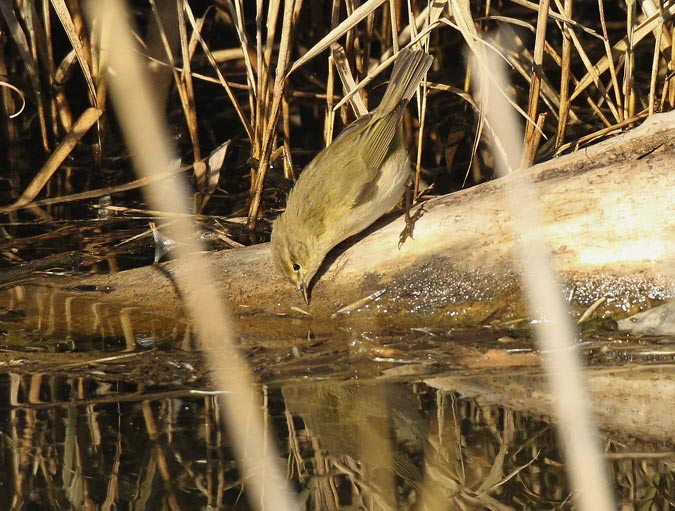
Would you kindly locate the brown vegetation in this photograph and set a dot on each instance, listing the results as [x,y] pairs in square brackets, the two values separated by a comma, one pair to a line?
[251,92]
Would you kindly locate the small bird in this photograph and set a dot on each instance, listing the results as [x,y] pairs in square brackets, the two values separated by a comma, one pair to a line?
[351,183]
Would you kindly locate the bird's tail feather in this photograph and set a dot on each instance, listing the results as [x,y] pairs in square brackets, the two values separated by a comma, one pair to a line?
[409,69]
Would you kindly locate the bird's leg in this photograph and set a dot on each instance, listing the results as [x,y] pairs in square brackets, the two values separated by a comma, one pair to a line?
[410,220]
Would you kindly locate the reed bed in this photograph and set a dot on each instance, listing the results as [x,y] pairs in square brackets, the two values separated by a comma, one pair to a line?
[252,90]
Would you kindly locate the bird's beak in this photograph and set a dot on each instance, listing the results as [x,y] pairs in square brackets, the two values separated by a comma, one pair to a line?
[302,289]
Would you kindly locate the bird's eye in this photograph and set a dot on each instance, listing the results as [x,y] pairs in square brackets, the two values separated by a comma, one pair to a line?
[296,267]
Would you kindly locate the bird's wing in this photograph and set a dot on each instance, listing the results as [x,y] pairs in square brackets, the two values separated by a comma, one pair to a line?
[375,140]
[374,147]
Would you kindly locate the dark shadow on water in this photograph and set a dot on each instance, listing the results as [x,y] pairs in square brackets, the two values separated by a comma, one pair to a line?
[90,442]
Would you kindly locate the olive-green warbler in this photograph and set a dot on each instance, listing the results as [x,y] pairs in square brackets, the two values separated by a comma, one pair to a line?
[351,183]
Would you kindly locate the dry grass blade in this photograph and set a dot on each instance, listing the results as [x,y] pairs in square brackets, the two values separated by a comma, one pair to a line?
[608,54]
[422,112]
[237,8]
[565,72]
[531,140]
[258,64]
[28,56]
[436,8]
[264,66]
[329,120]
[182,77]
[386,62]
[237,13]
[461,11]
[347,79]
[221,79]
[655,70]
[18,112]
[21,42]
[640,32]
[558,17]
[607,130]
[348,24]
[186,71]
[594,74]
[522,61]
[554,331]
[629,63]
[405,35]
[86,121]
[283,59]
[148,141]
[63,13]
[188,86]
[393,20]
[100,192]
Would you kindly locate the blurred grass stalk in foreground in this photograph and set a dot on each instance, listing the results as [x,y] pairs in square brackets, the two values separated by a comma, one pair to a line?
[146,135]
[578,436]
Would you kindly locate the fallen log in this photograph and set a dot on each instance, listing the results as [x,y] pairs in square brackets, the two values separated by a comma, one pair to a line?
[608,221]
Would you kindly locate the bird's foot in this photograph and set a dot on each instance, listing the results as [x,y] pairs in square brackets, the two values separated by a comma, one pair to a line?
[410,220]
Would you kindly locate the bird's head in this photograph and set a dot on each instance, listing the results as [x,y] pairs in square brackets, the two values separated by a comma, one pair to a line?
[297,253]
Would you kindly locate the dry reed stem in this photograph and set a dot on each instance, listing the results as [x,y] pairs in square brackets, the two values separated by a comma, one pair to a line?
[393,20]
[97,192]
[522,61]
[149,145]
[238,15]
[433,14]
[608,53]
[221,78]
[348,83]
[629,63]
[344,27]
[405,35]
[671,83]
[607,130]
[564,106]
[286,138]
[26,53]
[422,113]
[534,6]
[466,26]
[477,57]
[63,13]
[283,58]
[329,118]
[639,33]
[83,124]
[531,141]
[655,70]
[554,331]
[262,111]
[384,64]
[594,74]
[177,72]
[531,144]
[186,85]
[350,39]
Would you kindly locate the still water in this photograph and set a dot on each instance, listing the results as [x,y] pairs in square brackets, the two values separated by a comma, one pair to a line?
[357,427]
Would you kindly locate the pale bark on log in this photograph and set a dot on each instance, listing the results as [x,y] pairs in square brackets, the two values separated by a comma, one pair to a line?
[608,220]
